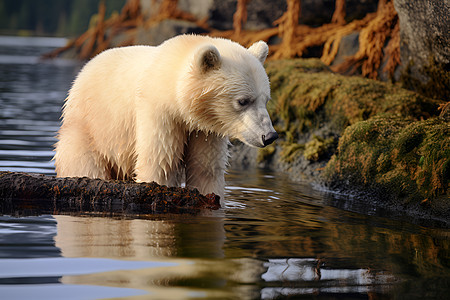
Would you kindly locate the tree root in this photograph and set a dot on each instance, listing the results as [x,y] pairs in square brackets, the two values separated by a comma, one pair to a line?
[376,29]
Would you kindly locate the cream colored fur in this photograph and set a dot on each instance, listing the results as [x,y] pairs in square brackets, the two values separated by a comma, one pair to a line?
[164,113]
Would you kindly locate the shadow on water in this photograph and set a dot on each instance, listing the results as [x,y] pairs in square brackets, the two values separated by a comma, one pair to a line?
[273,239]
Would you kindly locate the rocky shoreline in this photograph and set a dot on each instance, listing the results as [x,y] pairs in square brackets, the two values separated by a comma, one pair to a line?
[356,136]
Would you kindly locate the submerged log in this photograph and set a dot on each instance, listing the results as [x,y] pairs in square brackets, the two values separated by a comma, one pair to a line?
[34,193]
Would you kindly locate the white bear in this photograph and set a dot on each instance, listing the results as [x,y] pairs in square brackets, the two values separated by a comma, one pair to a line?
[165,113]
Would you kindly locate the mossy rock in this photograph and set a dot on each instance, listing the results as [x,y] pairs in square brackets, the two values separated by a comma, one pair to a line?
[290,151]
[408,162]
[310,105]
[316,148]
[391,141]
[306,94]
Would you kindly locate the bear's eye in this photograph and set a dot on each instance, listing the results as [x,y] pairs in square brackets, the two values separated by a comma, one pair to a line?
[244,102]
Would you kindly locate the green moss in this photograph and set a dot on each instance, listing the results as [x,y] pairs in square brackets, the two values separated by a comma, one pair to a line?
[408,141]
[317,147]
[290,151]
[307,97]
[265,154]
[411,160]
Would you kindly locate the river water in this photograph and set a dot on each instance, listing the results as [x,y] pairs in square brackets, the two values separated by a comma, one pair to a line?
[273,239]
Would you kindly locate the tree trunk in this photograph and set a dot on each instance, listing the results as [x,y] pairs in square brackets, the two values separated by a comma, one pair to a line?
[22,193]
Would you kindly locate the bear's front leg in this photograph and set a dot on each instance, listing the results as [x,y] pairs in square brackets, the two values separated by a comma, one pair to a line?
[206,158]
[159,150]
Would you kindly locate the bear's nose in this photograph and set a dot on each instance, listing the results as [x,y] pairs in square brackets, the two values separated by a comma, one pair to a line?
[268,139]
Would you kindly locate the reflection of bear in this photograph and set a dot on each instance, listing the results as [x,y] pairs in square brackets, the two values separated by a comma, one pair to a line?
[153,113]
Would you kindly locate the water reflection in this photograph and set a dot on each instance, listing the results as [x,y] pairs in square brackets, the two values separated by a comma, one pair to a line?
[254,251]
[141,239]
[193,244]
[196,239]
[308,272]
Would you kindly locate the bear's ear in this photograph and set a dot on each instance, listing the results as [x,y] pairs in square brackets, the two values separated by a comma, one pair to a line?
[259,50]
[207,58]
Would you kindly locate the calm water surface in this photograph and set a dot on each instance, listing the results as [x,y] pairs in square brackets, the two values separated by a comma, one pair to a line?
[273,239]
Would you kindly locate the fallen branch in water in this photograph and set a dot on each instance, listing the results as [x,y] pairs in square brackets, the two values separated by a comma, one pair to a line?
[34,193]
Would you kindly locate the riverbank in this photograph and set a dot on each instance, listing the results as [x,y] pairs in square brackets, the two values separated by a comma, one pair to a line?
[357,136]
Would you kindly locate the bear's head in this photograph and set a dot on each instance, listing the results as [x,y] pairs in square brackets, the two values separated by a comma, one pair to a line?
[229,90]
